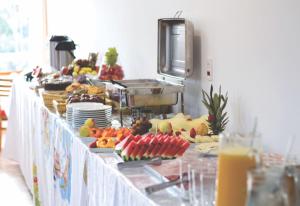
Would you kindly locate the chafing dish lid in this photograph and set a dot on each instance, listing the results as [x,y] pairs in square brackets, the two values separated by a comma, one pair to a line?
[175,47]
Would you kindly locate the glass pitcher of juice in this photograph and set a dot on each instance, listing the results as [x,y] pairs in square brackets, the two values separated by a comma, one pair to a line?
[237,155]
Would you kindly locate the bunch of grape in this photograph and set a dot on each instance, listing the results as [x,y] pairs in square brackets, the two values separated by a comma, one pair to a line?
[140,125]
[111,56]
[82,62]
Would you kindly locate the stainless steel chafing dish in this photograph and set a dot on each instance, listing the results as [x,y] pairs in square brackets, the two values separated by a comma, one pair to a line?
[174,64]
[146,92]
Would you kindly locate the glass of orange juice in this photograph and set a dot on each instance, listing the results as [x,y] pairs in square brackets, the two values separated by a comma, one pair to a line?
[237,155]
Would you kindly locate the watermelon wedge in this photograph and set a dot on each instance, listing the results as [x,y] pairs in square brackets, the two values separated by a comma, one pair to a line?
[144,147]
[164,146]
[128,150]
[149,135]
[123,144]
[177,145]
[169,148]
[182,149]
[137,138]
[136,149]
[157,146]
[152,144]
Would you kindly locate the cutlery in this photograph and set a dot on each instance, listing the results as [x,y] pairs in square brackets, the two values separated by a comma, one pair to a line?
[154,188]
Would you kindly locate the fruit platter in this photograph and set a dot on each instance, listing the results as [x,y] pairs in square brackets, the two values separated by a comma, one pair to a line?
[133,147]
[147,139]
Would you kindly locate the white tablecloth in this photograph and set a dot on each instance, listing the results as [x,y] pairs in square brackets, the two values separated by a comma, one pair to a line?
[58,168]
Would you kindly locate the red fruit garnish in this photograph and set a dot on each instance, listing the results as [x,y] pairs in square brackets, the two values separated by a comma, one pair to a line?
[93,145]
[192,133]
[211,118]
[183,130]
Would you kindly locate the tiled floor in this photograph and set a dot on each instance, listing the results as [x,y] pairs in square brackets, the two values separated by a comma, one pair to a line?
[13,190]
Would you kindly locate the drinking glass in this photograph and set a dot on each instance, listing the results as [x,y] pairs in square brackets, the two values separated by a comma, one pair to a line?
[266,187]
[207,187]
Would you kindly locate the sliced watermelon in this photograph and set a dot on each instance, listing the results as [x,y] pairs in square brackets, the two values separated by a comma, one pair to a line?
[169,148]
[177,145]
[164,146]
[182,149]
[172,147]
[145,145]
[157,146]
[149,135]
[136,149]
[128,150]
[152,144]
[123,144]
[137,138]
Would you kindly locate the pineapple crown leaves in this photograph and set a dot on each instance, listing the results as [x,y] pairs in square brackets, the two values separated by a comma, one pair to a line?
[215,104]
[111,56]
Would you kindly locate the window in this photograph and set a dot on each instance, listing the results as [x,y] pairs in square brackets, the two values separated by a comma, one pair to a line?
[18,27]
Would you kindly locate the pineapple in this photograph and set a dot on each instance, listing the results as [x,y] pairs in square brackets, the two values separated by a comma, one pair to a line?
[215,104]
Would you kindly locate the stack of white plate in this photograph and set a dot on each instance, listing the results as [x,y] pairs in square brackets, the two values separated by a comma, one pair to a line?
[78,113]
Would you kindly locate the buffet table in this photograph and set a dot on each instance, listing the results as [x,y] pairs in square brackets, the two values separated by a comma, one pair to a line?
[59,168]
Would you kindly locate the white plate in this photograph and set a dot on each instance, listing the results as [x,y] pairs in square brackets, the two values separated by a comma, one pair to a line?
[90,107]
[99,121]
[96,120]
[92,111]
[77,104]
[91,114]
[99,124]
[99,109]
[88,140]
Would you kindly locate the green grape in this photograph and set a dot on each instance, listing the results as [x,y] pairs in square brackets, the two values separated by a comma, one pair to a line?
[111,56]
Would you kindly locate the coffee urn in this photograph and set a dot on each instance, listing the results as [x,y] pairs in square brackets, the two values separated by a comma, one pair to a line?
[61,51]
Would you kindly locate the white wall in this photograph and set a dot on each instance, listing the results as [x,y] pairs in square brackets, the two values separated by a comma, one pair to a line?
[255,47]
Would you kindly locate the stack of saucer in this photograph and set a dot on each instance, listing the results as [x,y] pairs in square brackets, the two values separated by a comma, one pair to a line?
[78,113]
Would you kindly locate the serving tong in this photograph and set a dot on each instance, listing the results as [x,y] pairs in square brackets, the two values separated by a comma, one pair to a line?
[157,187]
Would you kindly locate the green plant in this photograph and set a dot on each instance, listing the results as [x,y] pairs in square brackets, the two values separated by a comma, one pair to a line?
[215,104]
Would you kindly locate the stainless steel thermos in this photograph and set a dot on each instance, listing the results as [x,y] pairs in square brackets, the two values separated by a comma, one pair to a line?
[61,51]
